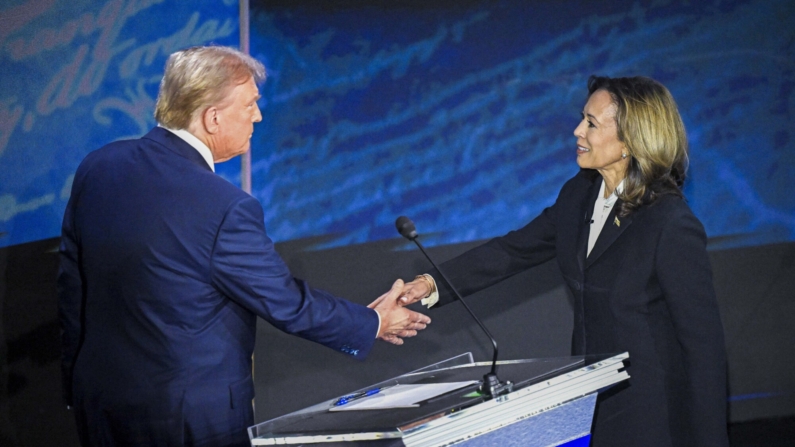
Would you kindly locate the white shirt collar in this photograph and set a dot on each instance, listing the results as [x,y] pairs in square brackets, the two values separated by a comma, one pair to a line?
[610,201]
[601,209]
[195,143]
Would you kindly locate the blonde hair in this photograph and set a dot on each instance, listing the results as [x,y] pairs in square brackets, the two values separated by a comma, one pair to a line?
[649,125]
[199,77]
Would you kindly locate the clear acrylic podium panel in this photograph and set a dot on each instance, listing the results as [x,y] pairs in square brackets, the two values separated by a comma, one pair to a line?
[550,382]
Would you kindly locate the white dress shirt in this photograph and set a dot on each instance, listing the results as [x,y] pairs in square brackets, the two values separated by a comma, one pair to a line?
[601,209]
[194,143]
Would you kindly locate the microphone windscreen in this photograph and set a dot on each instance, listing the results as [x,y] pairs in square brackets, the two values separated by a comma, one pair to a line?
[406,227]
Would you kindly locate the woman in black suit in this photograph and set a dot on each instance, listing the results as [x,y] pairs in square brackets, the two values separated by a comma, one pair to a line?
[634,256]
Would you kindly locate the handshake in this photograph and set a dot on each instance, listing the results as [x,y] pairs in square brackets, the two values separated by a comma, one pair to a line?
[397,322]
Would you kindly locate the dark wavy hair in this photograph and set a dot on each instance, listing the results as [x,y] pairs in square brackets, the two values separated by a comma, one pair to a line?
[649,125]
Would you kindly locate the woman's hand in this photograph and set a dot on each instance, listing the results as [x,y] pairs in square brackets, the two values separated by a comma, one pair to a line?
[414,291]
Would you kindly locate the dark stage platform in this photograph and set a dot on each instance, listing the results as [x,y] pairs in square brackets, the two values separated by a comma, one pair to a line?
[755,286]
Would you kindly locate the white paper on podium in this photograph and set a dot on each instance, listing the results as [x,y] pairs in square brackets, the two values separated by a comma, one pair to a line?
[402,396]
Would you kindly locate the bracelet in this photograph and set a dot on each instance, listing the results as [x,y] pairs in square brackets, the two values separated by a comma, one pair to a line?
[431,286]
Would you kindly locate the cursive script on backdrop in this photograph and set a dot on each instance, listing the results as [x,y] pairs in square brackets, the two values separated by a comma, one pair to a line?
[93,45]
[109,53]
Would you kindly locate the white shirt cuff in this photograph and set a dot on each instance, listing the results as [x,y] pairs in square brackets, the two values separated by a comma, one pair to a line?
[379,323]
[433,298]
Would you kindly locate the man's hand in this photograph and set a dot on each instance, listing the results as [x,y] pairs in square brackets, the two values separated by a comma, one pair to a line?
[397,322]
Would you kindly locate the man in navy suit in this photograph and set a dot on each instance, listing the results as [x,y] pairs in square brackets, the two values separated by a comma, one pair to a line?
[165,267]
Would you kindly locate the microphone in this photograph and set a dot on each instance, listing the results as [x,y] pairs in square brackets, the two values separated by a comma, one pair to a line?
[407,229]
[492,386]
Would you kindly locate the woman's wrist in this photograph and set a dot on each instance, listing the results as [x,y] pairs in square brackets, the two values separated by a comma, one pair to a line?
[428,279]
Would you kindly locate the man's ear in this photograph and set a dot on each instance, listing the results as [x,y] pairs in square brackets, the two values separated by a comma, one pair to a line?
[210,120]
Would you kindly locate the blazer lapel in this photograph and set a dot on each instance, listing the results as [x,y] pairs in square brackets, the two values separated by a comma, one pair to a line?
[613,228]
[585,225]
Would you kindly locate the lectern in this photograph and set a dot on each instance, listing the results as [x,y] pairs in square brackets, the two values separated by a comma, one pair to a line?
[552,404]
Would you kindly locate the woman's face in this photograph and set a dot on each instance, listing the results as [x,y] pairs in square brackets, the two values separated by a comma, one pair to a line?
[597,138]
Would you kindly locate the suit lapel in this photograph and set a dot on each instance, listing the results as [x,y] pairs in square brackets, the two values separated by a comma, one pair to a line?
[613,228]
[585,225]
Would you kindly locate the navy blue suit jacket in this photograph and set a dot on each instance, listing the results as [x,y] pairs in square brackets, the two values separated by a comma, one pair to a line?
[164,268]
[645,288]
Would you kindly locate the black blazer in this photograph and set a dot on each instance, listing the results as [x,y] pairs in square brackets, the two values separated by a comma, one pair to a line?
[646,288]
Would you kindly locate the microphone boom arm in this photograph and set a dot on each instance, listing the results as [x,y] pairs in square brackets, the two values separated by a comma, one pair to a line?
[492,386]
[461,299]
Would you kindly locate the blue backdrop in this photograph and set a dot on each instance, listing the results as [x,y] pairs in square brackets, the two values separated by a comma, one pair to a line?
[460,114]
[79,74]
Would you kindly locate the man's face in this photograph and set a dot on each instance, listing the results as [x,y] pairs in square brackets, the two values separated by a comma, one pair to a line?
[236,118]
